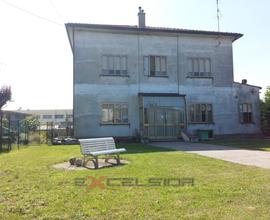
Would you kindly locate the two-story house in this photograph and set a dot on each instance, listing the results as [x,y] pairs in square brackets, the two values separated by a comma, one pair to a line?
[154,82]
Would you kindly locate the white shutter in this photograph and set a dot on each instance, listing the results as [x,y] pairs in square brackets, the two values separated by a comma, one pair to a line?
[196,65]
[157,62]
[190,66]
[104,62]
[207,66]
[201,65]
[117,63]
[145,65]
[110,64]
[163,65]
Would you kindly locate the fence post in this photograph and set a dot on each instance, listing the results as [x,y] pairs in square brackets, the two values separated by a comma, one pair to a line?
[47,132]
[18,135]
[25,133]
[9,134]
[39,134]
[52,132]
[1,124]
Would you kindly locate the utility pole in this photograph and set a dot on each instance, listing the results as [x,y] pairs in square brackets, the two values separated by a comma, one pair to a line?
[218,15]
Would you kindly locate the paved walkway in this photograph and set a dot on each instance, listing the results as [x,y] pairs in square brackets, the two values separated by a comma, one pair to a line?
[236,155]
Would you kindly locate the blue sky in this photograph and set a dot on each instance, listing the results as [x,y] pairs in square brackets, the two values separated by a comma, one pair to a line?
[36,60]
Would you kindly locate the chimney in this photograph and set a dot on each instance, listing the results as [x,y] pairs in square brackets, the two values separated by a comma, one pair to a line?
[141,17]
[244,81]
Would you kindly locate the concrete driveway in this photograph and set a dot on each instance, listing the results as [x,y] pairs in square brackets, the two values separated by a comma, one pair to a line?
[236,155]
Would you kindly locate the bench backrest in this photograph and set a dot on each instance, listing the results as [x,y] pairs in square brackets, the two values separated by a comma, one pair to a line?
[96,144]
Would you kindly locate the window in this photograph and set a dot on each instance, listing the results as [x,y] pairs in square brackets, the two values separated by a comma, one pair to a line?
[69,116]
[114,114]
[199,67]
[59,116]
[201,113]
[114,65]
[47,116]
[154,66]
[246,113]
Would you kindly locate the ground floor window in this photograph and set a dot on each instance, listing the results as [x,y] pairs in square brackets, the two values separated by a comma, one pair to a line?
[201,113]
[246,113]
[114,113]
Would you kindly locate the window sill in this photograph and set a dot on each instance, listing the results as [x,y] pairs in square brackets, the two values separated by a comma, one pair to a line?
[114,75]
[113,124]
[200,77]
[247,123]
[204,123]
[158,76]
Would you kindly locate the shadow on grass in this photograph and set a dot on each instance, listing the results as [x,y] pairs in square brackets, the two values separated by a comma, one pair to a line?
[136,148]
[197,146]
[217,145]
[132,148]
[4,150]
[247,143]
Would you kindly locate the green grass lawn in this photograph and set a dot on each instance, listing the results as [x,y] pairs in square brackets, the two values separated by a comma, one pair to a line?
[31,189]
[250,143]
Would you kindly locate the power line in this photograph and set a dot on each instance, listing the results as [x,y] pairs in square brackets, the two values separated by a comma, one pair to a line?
[32,13]
[56,10]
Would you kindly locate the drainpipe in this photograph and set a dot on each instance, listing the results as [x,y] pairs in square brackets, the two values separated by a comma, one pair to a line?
[185,114]
[73,119]
[177,62]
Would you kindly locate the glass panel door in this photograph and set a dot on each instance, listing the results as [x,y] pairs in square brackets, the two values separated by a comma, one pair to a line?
[163,122]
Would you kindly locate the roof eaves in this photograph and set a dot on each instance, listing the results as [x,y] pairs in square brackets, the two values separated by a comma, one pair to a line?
[247,85]
[153,29]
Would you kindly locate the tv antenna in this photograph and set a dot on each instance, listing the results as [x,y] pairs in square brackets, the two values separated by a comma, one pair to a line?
[218,15]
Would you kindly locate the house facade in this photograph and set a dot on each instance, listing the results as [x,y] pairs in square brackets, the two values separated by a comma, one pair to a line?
[154,83]
[60,118]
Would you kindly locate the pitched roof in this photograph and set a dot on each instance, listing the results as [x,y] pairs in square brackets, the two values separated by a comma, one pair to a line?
[152,29]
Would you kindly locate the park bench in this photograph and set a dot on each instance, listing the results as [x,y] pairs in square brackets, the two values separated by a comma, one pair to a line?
[95,147]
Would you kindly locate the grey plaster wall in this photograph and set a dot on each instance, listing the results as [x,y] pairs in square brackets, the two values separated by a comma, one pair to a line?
[91,89]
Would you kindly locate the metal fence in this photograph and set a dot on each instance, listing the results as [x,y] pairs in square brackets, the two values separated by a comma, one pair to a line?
[14,135]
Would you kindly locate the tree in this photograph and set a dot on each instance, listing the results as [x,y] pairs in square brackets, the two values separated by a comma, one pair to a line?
[265,112]
[5,96]
[267,96]
[30,123]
